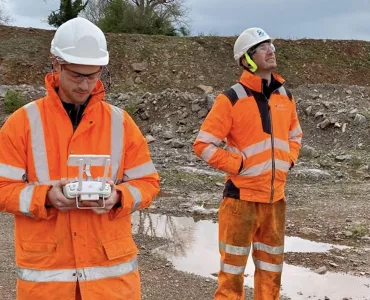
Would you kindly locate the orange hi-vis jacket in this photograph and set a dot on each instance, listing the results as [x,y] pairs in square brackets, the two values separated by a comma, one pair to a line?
[263,138]
[55,250]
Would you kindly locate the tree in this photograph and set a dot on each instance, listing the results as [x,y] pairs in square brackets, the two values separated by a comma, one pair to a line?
[95,10]
[68,9]
[4,16]
[165,17]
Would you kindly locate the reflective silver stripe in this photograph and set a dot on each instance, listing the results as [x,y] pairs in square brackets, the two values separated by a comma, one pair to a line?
[257,148]
[282,165]
[208,138]
[282,91]
[117,137]
[235,250]
[268,249]
[95,273]
[10,172]
[65,275]
[208,152]
[38,142]
[296,139]
[239,90]
[235,270]
[264,146]
[260,147]
[139,171]
[266,166]
[281,144]
[257,169]
[73,275]
[25,199]
[233,149]
[295,132]
[267,266]
[136,194]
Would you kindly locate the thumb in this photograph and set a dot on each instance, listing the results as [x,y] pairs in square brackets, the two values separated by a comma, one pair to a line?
[63,182]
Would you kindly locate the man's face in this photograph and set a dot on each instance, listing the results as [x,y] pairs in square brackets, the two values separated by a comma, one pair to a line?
[264,57]
[76,82]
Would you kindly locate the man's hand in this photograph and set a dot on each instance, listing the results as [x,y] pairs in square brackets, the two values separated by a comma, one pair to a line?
[111,201]
[57,199]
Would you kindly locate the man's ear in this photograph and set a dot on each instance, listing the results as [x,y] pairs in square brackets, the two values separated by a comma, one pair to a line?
[56,66]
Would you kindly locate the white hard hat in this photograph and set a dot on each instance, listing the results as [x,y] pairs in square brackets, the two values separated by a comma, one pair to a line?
[79,41]
[247,39]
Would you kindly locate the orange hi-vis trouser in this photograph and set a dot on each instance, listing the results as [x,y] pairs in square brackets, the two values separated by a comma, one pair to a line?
[243,224]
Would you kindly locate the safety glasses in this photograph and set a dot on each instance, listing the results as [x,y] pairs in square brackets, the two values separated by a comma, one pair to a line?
[264,48]
[78,77]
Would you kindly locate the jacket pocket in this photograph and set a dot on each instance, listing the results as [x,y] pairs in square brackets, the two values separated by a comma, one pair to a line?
[38,247]
[120,248]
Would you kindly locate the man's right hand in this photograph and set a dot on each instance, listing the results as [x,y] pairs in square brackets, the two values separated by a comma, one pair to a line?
[58,200]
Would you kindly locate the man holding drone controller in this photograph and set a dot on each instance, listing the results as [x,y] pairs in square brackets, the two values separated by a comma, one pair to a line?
[73,238]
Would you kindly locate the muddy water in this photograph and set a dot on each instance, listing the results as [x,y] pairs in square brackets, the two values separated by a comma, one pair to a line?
[193,247]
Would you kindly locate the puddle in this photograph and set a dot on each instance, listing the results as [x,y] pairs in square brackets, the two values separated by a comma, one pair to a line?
[193,247]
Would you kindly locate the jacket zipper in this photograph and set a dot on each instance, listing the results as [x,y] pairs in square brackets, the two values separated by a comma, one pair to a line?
[272,147]
[272,154]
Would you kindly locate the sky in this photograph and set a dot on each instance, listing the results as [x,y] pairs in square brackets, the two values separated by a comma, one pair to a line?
[289,19]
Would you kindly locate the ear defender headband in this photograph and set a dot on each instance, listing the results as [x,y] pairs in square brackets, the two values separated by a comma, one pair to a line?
[251,63]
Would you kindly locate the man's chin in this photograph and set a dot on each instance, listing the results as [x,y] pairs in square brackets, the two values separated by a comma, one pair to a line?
[80,99]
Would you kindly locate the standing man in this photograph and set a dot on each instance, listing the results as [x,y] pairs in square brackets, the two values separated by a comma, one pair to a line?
[258,118]
[63,252]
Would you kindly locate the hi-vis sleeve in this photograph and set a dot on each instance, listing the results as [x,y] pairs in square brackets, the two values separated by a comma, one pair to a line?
[17,196]
[295,135]
[213,131]
[140,182]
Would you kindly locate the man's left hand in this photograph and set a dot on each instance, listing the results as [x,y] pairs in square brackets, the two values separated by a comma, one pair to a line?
[111,201]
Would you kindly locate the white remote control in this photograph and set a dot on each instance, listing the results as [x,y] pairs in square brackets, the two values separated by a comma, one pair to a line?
[89,189]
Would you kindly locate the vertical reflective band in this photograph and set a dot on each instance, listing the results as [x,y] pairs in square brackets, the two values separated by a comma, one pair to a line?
[239,90]
[38,142]
[282,91]
[136,194]
[117,137]
[208,152]
[25,199]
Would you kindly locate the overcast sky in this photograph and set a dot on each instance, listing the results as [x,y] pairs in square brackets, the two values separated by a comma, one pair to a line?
[292,19]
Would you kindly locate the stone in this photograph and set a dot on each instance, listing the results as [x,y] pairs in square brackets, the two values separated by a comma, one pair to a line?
[324,123]
[321,270]
[205,88]
[202,113]
[359,119]
[149,138]
[139,67]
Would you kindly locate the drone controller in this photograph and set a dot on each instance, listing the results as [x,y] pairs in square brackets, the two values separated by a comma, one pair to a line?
[89,189]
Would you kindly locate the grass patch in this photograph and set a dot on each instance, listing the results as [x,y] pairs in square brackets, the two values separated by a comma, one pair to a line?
[13,100]
[359,230]
[131,110]
[355,161]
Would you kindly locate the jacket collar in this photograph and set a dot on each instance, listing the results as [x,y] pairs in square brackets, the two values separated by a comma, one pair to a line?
[257,83]
[52,84]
